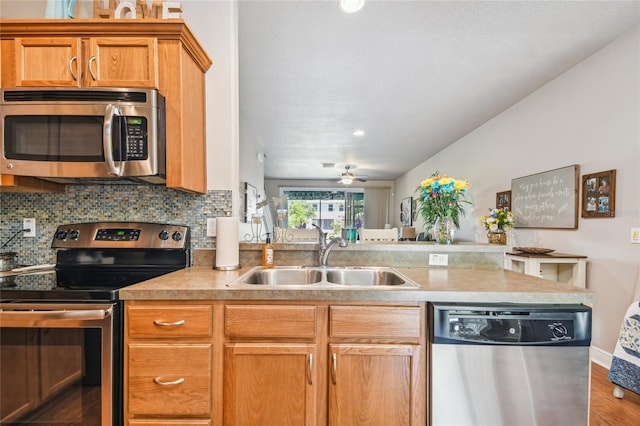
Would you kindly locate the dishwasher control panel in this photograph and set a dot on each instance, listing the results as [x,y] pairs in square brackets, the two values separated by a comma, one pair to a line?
[512,324]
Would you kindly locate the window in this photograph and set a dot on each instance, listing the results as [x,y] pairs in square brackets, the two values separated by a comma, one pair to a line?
[330,209]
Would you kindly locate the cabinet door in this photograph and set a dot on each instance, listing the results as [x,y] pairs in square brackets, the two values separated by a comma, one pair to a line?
[270,384]
[122,62]
[42,62]
[373,384]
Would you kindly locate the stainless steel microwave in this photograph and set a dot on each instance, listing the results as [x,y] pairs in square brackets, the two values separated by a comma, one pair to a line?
[69,134]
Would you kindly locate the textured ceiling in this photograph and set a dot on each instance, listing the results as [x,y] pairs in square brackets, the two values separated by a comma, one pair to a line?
[414,75]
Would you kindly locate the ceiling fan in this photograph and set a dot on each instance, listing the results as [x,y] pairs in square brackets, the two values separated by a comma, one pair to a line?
[347,178]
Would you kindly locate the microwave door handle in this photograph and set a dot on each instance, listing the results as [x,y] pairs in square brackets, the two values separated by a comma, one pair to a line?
[111,112]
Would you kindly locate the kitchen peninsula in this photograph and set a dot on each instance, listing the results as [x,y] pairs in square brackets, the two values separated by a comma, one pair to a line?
[222,352]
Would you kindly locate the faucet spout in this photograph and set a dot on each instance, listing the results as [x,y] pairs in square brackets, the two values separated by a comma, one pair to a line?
[324,248]
[322,237]
[324,255]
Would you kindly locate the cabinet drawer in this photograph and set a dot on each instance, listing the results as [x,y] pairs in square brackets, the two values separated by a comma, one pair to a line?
[169,321]
[152,369]
[375,321]
[270,321]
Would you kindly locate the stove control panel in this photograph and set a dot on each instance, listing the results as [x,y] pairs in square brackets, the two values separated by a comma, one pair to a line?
[121,235]
[116,234]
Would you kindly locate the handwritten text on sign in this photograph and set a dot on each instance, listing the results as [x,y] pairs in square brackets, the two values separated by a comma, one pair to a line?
[546,200]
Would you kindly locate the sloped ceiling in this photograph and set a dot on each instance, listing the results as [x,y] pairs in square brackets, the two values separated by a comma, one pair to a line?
[414,75]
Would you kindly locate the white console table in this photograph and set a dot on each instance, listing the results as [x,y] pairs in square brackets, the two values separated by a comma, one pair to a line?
[566,268]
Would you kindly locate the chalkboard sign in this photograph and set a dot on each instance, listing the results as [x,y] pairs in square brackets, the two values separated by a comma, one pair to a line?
[546,200]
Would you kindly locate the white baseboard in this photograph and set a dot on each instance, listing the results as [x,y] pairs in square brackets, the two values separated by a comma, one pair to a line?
[601,357]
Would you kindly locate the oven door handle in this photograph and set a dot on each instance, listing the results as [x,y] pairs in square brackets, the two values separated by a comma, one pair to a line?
[60,314]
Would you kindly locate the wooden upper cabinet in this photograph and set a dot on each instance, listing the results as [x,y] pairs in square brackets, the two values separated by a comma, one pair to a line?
[122,62]
[149,53]
[51,61]
[108,62]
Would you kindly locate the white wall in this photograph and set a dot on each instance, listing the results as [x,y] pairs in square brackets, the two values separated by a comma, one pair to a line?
[588,116]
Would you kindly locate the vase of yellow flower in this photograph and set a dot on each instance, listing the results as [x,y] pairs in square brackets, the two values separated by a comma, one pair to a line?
[440,202]
[497,222]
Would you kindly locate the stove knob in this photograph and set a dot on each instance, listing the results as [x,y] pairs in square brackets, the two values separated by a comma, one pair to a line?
[73,234]
[60,235]
[164,235]
[177,236]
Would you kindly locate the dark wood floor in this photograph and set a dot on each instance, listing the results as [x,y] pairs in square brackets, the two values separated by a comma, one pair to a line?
[607,410]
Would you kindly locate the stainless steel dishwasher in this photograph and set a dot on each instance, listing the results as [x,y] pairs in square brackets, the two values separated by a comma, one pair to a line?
[509,364]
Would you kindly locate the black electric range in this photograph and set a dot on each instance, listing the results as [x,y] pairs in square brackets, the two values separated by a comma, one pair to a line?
[93,262]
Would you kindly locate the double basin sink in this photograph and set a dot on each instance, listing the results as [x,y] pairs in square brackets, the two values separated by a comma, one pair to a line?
[354,276]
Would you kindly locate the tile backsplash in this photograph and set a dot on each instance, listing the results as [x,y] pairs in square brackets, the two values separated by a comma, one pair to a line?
[91,203]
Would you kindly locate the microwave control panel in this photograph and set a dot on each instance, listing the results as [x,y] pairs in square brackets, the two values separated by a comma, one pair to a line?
[136,138]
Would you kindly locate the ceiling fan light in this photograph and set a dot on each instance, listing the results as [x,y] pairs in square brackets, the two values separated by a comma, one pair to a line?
[350,6]
[347,180]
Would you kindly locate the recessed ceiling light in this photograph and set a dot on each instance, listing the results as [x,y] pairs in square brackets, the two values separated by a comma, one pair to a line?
[350,6]
[358,132]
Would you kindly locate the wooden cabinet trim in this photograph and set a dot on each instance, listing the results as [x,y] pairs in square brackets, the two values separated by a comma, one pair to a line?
[11,183]
[375,322]
[273,321]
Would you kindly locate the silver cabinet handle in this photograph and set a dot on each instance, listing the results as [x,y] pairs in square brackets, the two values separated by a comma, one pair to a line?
[334,372]
[310,379]
[159,381]
[71,61]
[169,324]
[91,61]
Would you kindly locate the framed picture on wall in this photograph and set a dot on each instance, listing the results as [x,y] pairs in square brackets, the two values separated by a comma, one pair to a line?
[248,201]
[503,200]
[406,213]
[599,194]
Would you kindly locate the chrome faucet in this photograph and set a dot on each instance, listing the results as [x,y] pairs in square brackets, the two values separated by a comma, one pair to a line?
[324,248]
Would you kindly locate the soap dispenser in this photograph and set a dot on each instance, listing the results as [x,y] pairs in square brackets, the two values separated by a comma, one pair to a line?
[267,253]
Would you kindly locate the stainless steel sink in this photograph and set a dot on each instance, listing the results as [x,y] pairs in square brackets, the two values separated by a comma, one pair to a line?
[360,277]
[367,277]
[284,276]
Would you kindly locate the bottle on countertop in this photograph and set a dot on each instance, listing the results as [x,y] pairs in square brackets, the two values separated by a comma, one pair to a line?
[267,253]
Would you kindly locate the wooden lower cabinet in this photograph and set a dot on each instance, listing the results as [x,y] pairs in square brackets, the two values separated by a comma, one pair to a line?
[275,363]
[270,383]
[324,364]
[169,352]
[373,384]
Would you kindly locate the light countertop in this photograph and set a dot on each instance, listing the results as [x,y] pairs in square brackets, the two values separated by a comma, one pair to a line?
[436,284]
